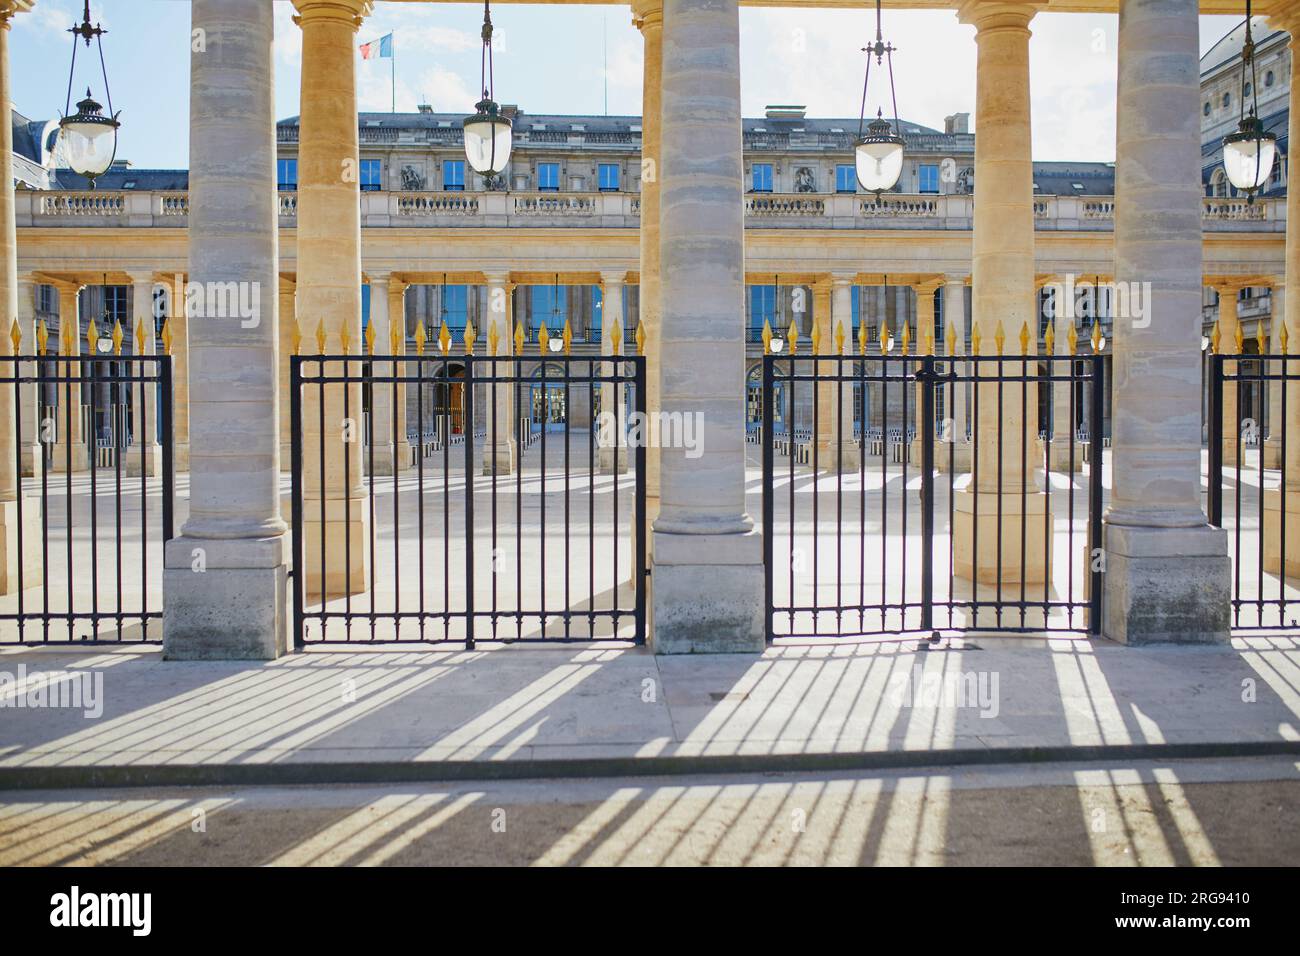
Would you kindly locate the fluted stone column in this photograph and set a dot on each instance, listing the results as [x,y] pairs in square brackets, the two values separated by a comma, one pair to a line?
[957,430]
[144,454]
[925,345]
[70,450]
[383,437]
[179,326]
[397,287]
[290,332]
[329,291]
[499,451]
[1229,327]
[844,452]
[13,509]
[225,579]
[31,460]
[707,581]
[648,16]
[1003,295]
[1166,570]
[613,454]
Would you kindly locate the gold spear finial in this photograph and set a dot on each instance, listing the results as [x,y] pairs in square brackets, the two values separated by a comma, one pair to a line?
[885,345]
[1000,339]
[1282,336]
[862,336]
[543,339]
[793,333]
[320,337]
[66,343]
[139,337]
[345,339]
[42,338]
[767,337]
[470,337]
[167,337]
[420,338]
[295,339]
[568,336]
[444,338]
[975,339]
[92,335]
[817,338]
[950,339]
[616,338]
[1024,338]
[118,336]
[1239,339]
[1049,338]
[16,336]
[519,338]
[928,344]
[1072,339]
[905,335]
[493,339]
[370,338]
[395,331]
[1096,336]
[839,338]
[640,338]
[1261,339]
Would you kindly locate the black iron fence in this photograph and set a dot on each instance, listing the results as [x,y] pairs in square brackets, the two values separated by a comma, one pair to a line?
[92,504]
[932,493]
[510,508]
[1253,488]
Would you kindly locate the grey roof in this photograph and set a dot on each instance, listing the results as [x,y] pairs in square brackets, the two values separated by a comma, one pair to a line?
[144,180]
[27,134]
[1061,178]
[1230,45]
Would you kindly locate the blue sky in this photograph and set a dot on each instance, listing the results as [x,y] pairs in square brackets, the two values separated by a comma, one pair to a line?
[551,62]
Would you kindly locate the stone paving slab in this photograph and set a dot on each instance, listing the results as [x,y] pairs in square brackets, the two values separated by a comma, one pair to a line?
[519,711]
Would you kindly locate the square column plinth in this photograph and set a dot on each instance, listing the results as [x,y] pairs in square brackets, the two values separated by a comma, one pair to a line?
[724,617]
[240,612]
[1167,585]
[28,511]
[976,537]
[1272,530]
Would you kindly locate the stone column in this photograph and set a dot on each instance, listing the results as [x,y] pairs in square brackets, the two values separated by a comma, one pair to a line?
[145,454]
[1274,417]
[179,328]
[225,580]
[13,509]
[648,16]
[499,450]
[31,459]
[289,333]
[1063,424]
[70,450]
[1229,328]
[1166,570]
[397,287]
[382,433]
[708,577]
[925,345]
[1003,301]
[844,451]
[612,426]
[329,292]
[958,431]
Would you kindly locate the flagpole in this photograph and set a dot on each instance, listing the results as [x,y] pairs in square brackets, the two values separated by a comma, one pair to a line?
[393,64]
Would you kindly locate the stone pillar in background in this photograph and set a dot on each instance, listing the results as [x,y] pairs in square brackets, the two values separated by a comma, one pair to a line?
[145,454]
[499,451]
[707,591]
[226,580]
[397,287]
[70,451]
[613,421]
[1229,327]
[179,326]
[382,436]
[957,430]
[648,16]
[1063,421]
[329,292]
[290,332]
[1274,416]
[1167,572]
[13,509]
[925,345]
[843,452]
[1010,508]
[31,459]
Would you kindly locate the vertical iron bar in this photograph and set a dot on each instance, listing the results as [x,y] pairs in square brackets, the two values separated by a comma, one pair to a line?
[1094,492]
[927,493]
[641,533]
[769,525]
[467,427]
[297,561]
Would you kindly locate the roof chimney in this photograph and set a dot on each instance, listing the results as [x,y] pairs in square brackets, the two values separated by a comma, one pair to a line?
[425,107]
[785,112]
[956,123]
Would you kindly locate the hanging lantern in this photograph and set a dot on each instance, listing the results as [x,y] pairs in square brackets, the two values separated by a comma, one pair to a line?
[878,154]
[488,134]
[88,138]
[1249,151]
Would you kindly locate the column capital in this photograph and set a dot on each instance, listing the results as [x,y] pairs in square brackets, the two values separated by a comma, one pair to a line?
[956,278]
[496,277]
[1008,15]
[617,277]
[927,286]
[841,279]
[647,13]
[8,8]
[141,276]
[1286,16]
[349,11]
[374,276]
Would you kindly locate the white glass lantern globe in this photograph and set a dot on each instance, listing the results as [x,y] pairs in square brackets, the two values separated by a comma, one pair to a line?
[88,140]
[879,157]
[488,139]
[1248,155]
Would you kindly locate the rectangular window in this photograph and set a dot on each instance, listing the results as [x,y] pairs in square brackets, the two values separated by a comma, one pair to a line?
[846,178]
[548,177]
[372,175]
[453,175]
[609,177]
[928,175]
[286,174]
[762,308]
[762,173]
[855,305]
[455,307]
[549,306]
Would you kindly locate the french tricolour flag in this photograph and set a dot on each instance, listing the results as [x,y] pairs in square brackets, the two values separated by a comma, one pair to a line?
[377,48]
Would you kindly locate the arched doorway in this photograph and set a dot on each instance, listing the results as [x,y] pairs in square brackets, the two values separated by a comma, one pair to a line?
[548,400]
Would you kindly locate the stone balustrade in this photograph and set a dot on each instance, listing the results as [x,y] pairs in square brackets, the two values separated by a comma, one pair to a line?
[618,209]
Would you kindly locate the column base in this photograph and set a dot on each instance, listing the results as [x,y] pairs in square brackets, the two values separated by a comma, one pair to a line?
[960,454]
[405,456]
[387,459]
[1029,567]
[80,459]
[1272,531]
[1166,585]
[1272,453]
[706,593]
[31,460]
[346,560]
[605,459]
[26,510]
[234,609]
[149,457]
[842,458]
[1058,456]
[503,456]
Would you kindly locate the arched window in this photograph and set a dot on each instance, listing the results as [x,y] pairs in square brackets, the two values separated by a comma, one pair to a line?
[1227,100]
[1219,184]
[1268,79]
[1205,110]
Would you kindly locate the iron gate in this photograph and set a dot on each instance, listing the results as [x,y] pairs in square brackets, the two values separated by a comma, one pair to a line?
[1253,478]
[892,514]
[467,536]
